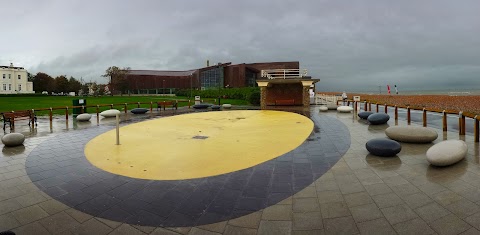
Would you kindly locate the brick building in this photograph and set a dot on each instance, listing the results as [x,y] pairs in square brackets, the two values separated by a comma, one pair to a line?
[217,76]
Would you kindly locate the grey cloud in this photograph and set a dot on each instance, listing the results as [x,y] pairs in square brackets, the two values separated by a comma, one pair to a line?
[349,45]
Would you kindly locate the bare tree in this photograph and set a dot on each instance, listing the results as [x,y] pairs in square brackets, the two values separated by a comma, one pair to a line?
[118,80]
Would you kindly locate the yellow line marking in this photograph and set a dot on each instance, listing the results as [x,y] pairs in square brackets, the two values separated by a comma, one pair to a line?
[199,144]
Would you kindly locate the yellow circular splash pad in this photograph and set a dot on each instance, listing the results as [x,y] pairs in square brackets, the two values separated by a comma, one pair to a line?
[199,144]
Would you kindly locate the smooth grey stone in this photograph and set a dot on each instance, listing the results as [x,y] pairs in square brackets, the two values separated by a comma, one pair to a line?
[110,113]
[383,147]
[378,118]
[13,139]
[84,117]
[411,134]
[227,106]
[201,106]
[364,114]
[447,152]
[344,109]
[139,110]
[215,107]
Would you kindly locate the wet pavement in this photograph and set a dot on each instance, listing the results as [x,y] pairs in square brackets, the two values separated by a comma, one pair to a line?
[328,185]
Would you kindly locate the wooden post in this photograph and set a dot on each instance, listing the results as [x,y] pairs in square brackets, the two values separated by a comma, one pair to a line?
[33,118]
[66,113]
[126,108]
[151,106]
[463,124]
[111,106]
[51,117]
[138,105]
[365,108]
[386,108]
[377,107]
[188,103]
[355,106]
[12,124]
[424,117]
[369,106]
[408,115]
[475,129]
[83,109]
[444,120]
[396,112]
[460,123]
[98,110]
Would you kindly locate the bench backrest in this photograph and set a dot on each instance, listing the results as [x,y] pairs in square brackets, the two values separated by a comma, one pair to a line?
[16,114]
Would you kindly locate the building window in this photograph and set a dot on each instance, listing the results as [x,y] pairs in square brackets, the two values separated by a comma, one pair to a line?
[9,87]
[19,76]
[19,86]
[3,76]
[9,76]
[4,87]
[212,78]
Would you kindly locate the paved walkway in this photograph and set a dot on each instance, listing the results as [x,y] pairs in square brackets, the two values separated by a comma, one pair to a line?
[333,186]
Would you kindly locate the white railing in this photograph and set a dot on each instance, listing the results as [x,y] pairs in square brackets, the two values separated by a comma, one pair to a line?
[283,73]
[329,100]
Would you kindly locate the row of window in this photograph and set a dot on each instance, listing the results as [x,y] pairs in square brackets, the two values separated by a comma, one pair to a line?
[10,87]
[10,76]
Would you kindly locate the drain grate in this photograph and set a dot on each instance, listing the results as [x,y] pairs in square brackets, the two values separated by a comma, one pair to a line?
[200,137]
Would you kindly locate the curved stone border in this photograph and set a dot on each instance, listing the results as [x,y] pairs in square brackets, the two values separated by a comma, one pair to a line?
[59,168]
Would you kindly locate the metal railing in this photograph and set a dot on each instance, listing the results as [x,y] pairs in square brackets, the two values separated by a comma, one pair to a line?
[283,73]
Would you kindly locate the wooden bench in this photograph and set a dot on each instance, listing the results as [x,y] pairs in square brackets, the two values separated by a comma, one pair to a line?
[285,102]
[164,104]
[11,117]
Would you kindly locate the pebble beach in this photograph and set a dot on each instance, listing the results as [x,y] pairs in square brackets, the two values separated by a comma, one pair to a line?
[467,103]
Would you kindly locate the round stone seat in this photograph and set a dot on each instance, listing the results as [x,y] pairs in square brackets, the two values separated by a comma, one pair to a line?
[378,118]
[201,106]
[215,107]
[226,106]
[323,108]
[344,109]
[364,114]
[84,117]
[13,139]
[110,113]
[383,147]
[139,110]
[447,152]
[411,134]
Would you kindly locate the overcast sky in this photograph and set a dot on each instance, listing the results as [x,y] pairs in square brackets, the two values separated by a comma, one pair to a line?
[349,45]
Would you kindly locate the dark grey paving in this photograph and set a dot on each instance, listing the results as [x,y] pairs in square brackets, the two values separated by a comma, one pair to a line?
[58,167]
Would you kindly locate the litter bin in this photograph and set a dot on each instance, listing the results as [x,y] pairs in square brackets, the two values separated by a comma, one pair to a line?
[197,99]
[79,102]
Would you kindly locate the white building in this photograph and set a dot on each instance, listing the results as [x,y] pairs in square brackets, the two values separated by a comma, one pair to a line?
[14,80]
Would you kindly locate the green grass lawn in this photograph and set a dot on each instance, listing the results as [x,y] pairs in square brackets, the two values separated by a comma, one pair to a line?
[8,104]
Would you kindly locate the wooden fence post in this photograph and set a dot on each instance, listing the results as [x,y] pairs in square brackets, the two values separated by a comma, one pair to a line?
[126,108]
[424,117]
[365,106]
[463,124]
[460,131]
[377,107]
[408,115]
[396,112]
[369,106]
[386,108]
[151,106]
[475,129]
[444,120]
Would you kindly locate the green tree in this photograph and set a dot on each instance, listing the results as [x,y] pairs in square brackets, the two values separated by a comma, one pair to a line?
[118,82]
[84,90]
[74,85]
[61,84]
[42,82]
